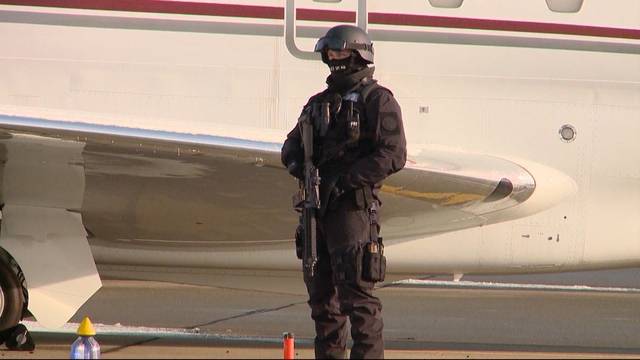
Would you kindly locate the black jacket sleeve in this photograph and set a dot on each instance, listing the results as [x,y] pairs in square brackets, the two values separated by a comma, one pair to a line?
[390,153]
[292,148]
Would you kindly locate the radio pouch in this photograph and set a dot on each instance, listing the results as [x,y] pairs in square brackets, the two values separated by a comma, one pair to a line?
[374,263]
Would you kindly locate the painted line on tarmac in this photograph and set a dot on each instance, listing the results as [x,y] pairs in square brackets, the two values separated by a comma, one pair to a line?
[156,333]
[512,286]
[116,329]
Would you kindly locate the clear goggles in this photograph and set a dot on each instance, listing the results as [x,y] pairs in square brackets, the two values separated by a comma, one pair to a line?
[330,43]
[337,44]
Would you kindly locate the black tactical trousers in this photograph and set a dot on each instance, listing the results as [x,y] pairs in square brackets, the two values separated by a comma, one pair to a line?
[338,293]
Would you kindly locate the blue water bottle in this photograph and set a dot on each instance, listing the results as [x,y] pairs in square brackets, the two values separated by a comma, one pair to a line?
[85,347]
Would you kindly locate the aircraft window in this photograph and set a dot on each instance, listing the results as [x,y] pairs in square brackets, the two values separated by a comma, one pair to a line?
[565,6]
[446,3]
[567,133]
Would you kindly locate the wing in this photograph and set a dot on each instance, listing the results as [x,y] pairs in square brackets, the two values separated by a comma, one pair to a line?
[139,187]
[152,197]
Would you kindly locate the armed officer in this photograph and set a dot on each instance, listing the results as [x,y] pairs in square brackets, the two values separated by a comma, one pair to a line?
[358,140]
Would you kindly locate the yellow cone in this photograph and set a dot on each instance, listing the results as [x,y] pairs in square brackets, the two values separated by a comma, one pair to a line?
[86,328]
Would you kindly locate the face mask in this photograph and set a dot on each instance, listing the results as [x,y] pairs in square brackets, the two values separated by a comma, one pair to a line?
[341,66]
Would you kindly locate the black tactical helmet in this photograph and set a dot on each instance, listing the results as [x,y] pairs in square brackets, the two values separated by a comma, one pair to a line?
[346,37]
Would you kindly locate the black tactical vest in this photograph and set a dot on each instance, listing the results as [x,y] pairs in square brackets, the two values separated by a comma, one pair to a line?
[350,134]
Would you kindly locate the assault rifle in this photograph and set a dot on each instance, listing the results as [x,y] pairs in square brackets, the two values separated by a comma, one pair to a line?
[309,197]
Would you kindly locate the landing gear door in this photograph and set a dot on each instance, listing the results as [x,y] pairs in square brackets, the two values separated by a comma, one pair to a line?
[51,247]
[43,183]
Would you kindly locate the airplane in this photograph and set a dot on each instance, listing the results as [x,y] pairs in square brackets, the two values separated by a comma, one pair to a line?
[148,133]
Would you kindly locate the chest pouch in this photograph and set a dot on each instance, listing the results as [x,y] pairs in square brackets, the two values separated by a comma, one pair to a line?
[324,111]
[353,125]
[321,118]
[352,119]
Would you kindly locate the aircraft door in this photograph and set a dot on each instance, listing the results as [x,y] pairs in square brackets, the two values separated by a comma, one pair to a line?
[290,27]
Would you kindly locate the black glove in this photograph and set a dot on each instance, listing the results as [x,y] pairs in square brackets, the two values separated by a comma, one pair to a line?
[339,188]
[343,184]
[337,192]
[296,170]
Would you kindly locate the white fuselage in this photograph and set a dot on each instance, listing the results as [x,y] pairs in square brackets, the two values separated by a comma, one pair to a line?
[506,101]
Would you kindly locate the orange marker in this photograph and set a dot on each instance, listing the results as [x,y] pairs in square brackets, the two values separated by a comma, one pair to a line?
[288,347]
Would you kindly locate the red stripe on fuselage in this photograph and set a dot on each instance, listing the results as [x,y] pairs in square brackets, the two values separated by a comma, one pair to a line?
[503,25]
[160,6]
[189,8]
[271,12]
[326,15]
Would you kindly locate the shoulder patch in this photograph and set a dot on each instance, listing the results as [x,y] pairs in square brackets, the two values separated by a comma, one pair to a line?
[389,122]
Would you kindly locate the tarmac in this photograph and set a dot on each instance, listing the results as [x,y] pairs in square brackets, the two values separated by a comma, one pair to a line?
[156,319]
